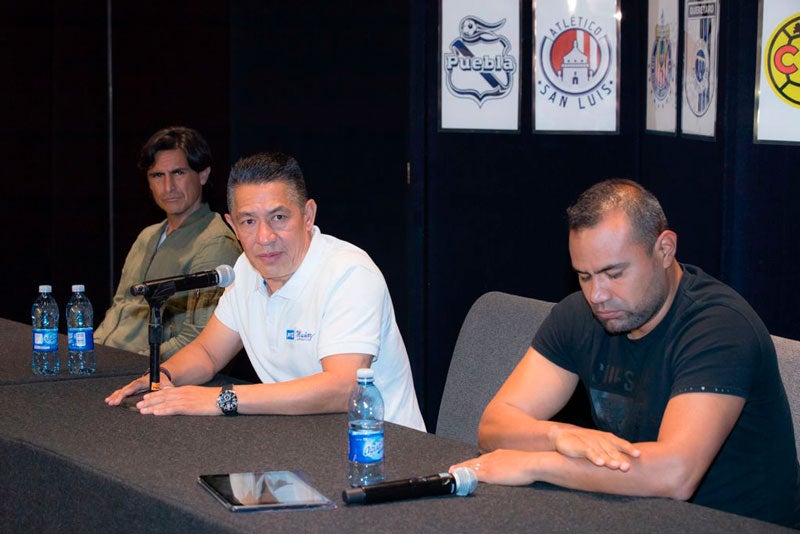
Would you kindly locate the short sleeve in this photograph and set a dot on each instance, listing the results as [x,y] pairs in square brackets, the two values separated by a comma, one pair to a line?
[354,308]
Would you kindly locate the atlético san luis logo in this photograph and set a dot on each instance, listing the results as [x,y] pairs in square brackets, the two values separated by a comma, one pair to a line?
[479,65]
[782,60]
[575,59]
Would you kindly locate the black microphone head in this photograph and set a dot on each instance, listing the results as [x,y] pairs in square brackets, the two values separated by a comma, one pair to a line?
[466,480]
[354,496]
[226,275]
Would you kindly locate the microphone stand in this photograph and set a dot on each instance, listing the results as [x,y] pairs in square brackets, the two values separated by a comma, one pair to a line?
[156,297]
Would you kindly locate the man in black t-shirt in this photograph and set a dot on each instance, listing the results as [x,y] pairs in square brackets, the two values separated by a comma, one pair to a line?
[681,373]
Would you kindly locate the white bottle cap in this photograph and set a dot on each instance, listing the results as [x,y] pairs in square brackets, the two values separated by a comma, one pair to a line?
[365,374]
[45,289]
[78,288]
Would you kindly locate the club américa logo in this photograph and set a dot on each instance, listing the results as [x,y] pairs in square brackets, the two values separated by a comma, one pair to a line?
[661,68]
[782,60]
[575,61]
[479,65]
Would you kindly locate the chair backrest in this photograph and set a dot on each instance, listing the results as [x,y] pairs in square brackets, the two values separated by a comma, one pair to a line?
[496,333]
[789,363]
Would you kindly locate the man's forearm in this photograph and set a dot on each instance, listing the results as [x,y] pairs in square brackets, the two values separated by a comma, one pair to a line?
[190,366]
[506,427]
[652,474]
[318,393]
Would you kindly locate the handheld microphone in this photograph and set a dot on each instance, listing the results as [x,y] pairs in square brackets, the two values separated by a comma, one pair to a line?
[222,276]
[462,482]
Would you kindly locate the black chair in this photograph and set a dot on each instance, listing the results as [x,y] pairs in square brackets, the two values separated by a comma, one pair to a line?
[789,363]
[496,333]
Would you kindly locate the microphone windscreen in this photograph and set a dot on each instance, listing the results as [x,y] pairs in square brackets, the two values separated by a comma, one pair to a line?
[226,275]
[466,480]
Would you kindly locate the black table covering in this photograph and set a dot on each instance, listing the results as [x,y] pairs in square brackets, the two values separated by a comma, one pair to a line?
[69,463]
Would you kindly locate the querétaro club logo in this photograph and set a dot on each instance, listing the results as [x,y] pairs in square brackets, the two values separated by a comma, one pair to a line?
[479,65]
[782,60]
[576,61]
[699,81]
[662,66]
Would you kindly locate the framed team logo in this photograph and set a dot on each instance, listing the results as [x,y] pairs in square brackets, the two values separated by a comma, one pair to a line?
[576,66]
[700,45]
[777,110]
[662,64]
[479,65]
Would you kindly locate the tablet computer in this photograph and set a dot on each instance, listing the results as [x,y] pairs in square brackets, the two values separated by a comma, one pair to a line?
[264,490]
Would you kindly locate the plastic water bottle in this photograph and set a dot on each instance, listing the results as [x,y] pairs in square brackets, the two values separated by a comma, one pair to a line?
[44,316]
[80,331]
[365,414]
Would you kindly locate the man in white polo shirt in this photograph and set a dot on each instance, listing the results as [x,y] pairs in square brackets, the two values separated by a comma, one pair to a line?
[308,308]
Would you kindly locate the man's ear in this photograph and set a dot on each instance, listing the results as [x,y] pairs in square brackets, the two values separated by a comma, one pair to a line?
[667,247]
[204,174]
[229,219]
[309,214]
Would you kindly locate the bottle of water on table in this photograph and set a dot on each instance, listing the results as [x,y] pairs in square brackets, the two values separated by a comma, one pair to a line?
[44,316]
[80,331]
[365,414]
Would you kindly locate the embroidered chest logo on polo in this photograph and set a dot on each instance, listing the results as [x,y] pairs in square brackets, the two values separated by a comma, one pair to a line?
[298,335]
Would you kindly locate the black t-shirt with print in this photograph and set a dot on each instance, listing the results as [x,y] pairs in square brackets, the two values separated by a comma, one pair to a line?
[710,340]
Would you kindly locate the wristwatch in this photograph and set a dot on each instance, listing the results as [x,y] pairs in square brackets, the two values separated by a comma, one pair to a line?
[227,400]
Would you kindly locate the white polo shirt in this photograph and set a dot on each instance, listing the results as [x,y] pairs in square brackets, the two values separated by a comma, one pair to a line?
[336,302]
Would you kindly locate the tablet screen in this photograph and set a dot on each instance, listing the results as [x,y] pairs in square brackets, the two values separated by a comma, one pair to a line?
[264,490]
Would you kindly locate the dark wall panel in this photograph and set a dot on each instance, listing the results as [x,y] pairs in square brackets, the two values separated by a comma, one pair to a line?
[53,146]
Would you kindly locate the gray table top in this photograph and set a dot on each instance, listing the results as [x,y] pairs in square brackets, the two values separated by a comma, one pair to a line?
[111,468]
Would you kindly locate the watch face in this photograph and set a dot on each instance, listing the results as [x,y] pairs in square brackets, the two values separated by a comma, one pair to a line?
[227,401]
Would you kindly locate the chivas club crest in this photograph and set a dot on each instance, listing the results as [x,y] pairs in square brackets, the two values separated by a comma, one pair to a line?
[479,65]
[661,68]
[782,60]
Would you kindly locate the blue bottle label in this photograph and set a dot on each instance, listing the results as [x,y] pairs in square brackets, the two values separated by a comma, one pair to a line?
[366,447]
[80,338]
[45,340]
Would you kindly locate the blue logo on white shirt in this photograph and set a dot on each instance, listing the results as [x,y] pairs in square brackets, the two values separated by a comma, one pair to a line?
[298,335]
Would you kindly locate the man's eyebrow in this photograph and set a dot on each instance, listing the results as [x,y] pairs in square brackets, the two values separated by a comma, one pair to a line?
[174,169]
[612,267]
[272,211]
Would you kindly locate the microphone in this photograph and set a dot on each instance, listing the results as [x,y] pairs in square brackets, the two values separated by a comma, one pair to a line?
[222,276]
[462,482]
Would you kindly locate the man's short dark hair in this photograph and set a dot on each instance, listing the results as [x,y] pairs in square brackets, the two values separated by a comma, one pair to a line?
[644,212]
[198,155]
[268,167]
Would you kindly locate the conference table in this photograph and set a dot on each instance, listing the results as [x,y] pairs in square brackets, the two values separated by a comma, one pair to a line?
[70,463]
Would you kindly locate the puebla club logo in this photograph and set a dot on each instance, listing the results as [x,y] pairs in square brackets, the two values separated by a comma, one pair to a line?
[782,60]
[479,65]
[661,68]
[575,59]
